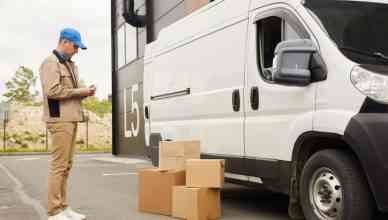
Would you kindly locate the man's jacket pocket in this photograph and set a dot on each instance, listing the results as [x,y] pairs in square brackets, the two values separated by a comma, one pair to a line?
[54,108]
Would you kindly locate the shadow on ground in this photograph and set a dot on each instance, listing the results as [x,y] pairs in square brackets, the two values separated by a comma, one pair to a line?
[252,201]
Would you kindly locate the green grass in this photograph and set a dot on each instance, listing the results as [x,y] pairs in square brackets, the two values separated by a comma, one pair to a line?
[22,150]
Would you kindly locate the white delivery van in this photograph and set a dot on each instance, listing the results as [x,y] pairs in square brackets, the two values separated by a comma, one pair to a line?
[293,94]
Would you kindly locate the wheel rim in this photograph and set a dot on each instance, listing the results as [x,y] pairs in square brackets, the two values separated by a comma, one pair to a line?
[326,194]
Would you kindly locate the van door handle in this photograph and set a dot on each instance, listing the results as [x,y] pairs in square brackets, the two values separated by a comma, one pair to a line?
[255,98]
[236,100]
[147,112]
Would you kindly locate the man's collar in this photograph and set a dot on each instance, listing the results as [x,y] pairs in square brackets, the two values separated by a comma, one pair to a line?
[61,57]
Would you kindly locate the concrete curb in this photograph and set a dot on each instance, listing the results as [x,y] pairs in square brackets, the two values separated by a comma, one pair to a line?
[47,153]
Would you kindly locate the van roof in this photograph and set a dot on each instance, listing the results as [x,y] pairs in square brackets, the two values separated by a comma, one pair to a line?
[203,21]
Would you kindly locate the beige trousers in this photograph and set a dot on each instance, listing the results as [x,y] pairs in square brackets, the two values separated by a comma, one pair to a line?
[63,143]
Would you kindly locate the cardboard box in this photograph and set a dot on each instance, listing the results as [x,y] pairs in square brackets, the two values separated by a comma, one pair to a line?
[172,163]
[193,5]
[173,155]
[196,203]
[155,190]
[205,173]
[179,202]
[179,148]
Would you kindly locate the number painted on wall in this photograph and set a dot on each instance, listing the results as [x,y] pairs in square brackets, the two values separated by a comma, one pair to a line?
[133,131]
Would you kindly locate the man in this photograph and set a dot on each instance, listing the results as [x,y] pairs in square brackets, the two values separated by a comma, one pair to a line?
[61,112]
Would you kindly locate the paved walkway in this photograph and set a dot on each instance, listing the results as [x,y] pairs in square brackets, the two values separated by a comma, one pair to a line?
[105,187]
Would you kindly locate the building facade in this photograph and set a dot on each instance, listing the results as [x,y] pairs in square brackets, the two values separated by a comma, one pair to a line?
[128,47]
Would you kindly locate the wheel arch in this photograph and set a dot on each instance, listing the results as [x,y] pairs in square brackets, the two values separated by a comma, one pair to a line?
[310,143]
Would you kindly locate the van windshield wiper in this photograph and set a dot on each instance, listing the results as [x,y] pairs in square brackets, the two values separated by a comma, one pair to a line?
[366,53]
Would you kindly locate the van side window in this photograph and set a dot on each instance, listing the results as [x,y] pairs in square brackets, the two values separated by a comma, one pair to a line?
[270,32]
[270,36]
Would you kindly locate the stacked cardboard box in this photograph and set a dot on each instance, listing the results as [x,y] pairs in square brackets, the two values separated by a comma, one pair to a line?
[173,155]
[183,186]
[156,184]
[200,198]
[155,189]
[194,203]
[205,173]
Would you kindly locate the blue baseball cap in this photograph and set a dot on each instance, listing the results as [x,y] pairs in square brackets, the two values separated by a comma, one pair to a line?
[73,36]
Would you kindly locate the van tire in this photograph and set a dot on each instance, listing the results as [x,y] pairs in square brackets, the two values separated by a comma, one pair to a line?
[331,180]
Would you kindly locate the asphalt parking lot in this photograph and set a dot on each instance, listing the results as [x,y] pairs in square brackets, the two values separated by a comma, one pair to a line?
[104,187]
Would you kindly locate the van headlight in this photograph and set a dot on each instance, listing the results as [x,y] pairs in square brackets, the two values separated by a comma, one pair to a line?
[371,84]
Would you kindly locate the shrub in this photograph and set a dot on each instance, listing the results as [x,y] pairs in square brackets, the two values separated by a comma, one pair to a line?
[96,106]
[81,141]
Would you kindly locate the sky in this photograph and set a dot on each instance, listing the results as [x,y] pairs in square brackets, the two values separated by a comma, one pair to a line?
[30,31]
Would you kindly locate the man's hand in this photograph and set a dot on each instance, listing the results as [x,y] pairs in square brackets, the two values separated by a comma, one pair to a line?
[93,90]
[86,92]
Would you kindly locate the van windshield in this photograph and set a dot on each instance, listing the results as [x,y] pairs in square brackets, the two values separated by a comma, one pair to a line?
[359,28]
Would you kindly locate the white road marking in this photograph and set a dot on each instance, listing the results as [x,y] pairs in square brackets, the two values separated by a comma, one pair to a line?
[5,207]
[121,160]
[85,165]
[23,195]
[27,159]
[118,174]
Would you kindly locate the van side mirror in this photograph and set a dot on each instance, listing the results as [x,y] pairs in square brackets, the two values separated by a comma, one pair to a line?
[292,60]
[131,17]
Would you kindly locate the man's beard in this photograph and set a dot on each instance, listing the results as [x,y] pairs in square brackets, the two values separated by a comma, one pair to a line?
[67,56]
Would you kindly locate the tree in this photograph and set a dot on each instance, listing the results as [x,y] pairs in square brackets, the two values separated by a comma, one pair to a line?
[20,86]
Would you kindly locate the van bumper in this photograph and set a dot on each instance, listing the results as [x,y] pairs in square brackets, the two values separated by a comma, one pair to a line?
[367,134]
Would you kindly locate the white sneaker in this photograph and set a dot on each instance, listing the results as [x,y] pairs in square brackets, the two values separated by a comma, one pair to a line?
[60,216]
[73,215]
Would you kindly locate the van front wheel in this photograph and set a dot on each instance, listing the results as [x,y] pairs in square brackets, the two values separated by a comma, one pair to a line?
[334,188]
